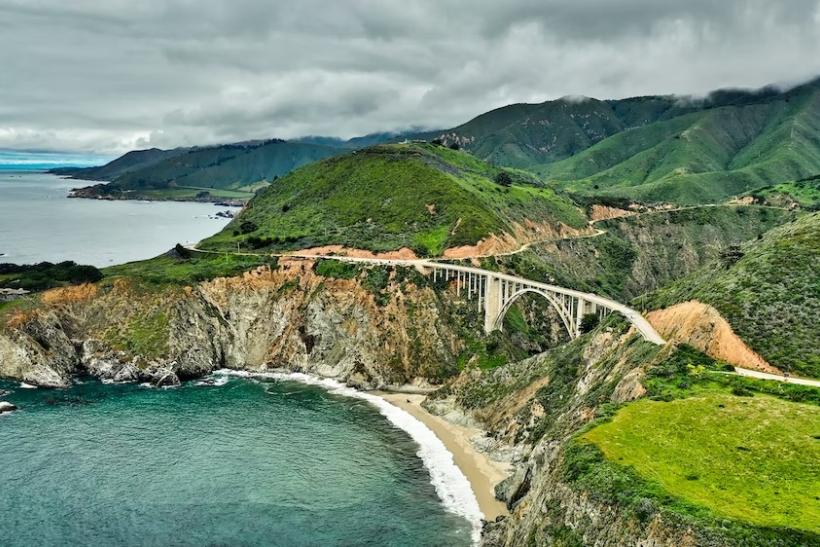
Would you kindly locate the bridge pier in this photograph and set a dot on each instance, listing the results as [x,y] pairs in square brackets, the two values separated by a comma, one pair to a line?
[582,308]
[492,303]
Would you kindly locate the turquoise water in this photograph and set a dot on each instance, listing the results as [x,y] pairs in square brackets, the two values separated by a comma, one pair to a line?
[38,222]
[251,462]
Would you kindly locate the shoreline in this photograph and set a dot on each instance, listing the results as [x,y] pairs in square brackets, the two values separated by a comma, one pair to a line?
[481,472]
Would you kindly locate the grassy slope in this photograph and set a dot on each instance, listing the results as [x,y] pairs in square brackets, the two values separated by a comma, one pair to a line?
[421,196]
[770,296]
[172,269]
[804,193]
[524,135]
[704,156]
[735,458]
[130,161]
[748,458]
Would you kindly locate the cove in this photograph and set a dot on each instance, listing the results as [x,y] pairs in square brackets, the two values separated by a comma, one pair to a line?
[254,461]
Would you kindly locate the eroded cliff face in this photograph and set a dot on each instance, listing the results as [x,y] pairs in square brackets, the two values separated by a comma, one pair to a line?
[289,318]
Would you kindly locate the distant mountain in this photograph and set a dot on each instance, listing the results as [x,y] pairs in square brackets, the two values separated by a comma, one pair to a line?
[417,195]
[223,172]
[370,139]
[657,148]
[132,161]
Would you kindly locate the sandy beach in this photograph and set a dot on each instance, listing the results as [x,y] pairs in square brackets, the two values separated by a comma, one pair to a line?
[482,472]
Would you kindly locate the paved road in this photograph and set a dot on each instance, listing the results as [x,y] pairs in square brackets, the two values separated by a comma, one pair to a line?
[776,377]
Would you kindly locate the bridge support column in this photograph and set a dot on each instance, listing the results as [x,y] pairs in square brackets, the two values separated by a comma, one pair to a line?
[492,303]
[581,310]
[580,307]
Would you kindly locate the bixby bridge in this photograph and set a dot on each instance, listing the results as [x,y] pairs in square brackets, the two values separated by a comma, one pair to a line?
[496,292]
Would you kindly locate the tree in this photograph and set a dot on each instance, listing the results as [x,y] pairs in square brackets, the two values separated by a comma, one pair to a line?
[503,178]
[181,251]
[437,142]
[247,227]
[589,321]
[730,255]
[455,146]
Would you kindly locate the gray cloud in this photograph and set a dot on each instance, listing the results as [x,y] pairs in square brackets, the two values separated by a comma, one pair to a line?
[108,76]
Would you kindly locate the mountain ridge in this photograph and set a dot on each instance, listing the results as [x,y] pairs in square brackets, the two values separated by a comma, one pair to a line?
[653,148]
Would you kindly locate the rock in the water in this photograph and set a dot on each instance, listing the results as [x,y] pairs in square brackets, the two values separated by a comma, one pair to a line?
[166,378]
[127,373]
[6,407]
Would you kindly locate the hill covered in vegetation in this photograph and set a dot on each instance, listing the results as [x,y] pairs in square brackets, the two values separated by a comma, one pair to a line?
[421,196]
[768,290]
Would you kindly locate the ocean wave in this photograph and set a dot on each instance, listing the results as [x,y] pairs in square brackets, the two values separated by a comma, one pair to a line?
[219,380]
[451,485]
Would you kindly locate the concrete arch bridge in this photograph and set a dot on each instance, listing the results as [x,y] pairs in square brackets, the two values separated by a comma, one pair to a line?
[496,292]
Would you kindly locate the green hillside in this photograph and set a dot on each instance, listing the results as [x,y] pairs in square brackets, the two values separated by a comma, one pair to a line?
[657,148]
[768,290]
[232,171]
[704,156]
[421,196]
[802,193]
[641,253]
[525,135]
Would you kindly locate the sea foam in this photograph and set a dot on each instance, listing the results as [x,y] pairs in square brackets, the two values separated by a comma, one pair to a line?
[451,485]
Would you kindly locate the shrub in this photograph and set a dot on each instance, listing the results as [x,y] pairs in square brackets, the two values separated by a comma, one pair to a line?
[589,321]
[503,178]
[336,269]
[45,275]
[247,227]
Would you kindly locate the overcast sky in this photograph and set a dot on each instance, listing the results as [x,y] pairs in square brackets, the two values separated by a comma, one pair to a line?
[108,76]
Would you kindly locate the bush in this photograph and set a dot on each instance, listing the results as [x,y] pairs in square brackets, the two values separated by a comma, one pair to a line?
[247,227]
[589,321]
[336,269]
[45,275]
[503,178]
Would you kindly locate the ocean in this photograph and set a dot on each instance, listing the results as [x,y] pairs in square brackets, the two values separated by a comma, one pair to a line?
[38,223]
[231,461]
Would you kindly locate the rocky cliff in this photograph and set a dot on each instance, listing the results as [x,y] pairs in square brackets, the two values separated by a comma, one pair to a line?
[398,332]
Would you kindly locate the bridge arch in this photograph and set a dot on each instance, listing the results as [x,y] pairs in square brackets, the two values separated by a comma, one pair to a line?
[563,312]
